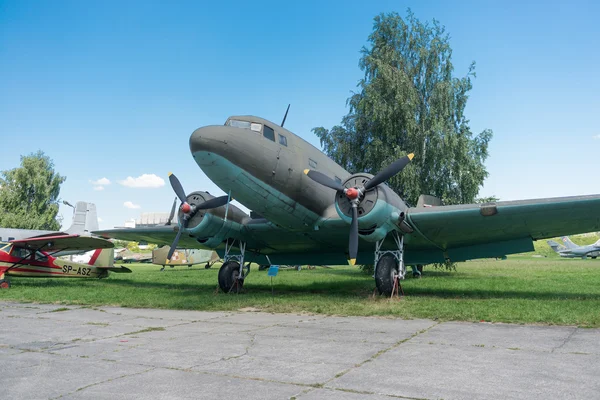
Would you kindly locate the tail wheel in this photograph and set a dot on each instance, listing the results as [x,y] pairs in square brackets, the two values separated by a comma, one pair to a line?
[4,284]
[229,275]
[387,269]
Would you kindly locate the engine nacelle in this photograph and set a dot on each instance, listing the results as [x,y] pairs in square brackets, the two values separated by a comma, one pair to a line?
[380,209]
[211,227]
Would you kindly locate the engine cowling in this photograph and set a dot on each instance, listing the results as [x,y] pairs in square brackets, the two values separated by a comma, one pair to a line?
[379,211]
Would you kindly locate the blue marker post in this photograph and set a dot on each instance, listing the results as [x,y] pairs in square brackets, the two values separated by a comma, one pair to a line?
[273,271]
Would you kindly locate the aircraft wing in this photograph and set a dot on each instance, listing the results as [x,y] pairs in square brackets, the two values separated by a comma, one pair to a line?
[160,235]
[62,242]
[473,230]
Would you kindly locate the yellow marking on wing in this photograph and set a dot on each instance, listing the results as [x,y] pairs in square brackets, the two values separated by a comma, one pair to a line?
[352,261]
[306,171]
[411,155]
[170,173]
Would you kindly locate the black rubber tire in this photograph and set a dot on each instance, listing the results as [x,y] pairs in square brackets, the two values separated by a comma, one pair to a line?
[593,258]
[420,268]
[263,267]
[4,284]
[387,267]
[228,274]
[208,265]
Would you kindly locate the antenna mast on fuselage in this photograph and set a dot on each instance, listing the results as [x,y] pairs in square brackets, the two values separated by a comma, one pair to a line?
[285,116]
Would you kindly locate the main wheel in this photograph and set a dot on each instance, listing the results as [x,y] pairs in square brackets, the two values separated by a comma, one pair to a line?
[208,265]
[229,277]
[594,257]
[387,269]
[4,284]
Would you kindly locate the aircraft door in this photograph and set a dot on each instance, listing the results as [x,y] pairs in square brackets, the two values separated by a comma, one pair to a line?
[283,167]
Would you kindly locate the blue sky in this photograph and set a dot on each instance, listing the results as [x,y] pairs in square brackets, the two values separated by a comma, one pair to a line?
[113,89]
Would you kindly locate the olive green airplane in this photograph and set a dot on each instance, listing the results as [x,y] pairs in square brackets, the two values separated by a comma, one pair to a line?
[309,210]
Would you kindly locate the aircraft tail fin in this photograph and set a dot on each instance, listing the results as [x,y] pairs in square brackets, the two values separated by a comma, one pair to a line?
[567,243]
[103,258]
[555,246]
[85,219]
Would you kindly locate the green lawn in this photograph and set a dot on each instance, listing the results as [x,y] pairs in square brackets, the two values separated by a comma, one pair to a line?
[520,290]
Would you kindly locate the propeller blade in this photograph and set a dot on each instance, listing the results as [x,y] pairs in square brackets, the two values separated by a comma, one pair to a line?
[353,244]
[323,180]
[177,188]
[174,246]
[213,203]
[176,241]
[172,212]
[389,171]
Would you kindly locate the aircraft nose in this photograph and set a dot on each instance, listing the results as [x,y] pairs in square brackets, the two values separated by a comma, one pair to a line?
[208,138]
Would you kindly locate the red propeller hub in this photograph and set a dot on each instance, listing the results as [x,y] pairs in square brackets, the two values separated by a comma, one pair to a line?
[352,193]
[186,208]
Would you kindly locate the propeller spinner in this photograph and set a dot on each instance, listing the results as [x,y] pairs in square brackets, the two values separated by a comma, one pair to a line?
[356,194]
[188,210]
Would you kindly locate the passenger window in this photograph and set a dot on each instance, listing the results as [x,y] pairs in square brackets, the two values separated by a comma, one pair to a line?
[312,163]
[255,127]
[40,257]
[282,140]
[269,133]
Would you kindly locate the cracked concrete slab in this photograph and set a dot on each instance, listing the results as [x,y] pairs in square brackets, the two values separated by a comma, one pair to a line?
[174,384]
[109,352]
[522,337]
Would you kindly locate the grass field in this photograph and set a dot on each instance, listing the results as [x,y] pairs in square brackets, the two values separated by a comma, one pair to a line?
[518,290]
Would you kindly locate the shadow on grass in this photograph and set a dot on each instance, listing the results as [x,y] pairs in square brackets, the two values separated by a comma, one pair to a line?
[349,289]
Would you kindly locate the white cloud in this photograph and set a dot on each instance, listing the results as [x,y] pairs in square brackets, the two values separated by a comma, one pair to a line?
[101,182]
[143,181]
[596,137]
[129,204]
[100,219]
[97,188]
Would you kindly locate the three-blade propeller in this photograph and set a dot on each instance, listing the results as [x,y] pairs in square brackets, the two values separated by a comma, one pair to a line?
[188,210]
[355,194]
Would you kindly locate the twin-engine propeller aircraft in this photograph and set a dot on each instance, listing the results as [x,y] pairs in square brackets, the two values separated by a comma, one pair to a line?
[572,250]
[312,211]
[33,258]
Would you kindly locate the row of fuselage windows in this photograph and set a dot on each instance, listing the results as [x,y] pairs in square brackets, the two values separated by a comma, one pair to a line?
[266,131]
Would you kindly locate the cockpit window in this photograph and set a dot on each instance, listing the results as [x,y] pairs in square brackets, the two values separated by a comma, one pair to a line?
[269,133]
[5,247]
[236,123]
[21,253]
[256,127]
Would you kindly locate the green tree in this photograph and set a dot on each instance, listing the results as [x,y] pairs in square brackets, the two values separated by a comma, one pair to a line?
[29,194]
[409,102]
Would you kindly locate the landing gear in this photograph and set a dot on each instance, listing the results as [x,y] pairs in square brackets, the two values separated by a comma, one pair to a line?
[229,277]
[233,272]
[4,284]
[389,266]
[417,270]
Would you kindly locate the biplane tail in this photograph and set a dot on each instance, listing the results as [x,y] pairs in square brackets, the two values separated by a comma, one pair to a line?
[85,219]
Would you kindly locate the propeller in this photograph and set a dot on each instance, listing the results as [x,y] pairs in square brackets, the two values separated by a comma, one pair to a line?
[355,194]
[188,210]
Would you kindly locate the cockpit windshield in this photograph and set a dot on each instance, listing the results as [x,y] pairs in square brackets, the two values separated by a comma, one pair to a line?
[237,123]
[5,247]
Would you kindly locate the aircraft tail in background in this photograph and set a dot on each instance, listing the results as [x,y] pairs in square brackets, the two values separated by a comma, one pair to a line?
[555,246]
[85,219]
[568,244]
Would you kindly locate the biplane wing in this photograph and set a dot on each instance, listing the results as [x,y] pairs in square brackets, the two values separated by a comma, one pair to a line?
[62,242]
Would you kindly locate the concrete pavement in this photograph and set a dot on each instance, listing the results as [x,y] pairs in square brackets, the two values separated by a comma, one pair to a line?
[50,351]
